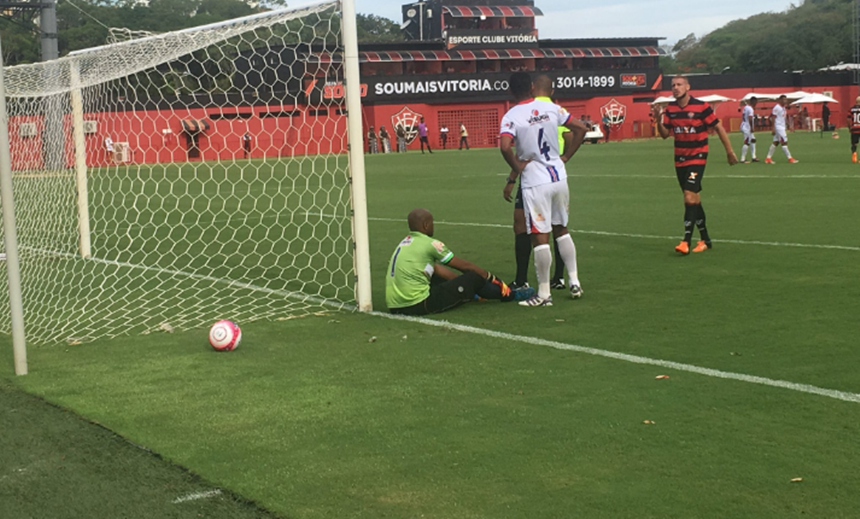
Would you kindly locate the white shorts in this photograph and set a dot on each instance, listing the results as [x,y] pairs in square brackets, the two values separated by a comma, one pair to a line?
[749,136]
[779,137]
[546,205]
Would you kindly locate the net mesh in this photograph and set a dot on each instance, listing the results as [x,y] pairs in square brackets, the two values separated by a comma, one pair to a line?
[211,188]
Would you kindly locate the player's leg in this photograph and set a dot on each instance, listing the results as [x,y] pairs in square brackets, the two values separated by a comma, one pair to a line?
[776,142]
[687,179]
[557,281]
[855,138]
[692,194]
[745,147]
[522,243]
[783,140]
[537,204]
[752,147]
[454,292]
[563,241]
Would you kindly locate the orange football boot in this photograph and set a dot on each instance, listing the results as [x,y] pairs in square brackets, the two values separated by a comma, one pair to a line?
[701,247]
[683,248]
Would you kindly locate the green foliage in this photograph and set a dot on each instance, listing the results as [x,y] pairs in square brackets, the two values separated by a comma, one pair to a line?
[810,36]
[372,28]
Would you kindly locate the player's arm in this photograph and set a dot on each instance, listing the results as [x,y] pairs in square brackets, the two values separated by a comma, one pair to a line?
[509,186]
[658,118]
[463,266]
[506,146]
[724,138]
[572,139]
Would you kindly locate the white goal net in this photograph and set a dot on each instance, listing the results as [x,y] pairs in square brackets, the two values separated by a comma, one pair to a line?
[165,182]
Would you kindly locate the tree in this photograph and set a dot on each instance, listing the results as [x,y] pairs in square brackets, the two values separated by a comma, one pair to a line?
[372,28]
[807,37]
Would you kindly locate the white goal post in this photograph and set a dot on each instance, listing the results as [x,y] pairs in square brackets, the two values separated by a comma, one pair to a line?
[165,182]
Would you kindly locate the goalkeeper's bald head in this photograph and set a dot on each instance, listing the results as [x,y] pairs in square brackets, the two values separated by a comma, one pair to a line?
[420,220]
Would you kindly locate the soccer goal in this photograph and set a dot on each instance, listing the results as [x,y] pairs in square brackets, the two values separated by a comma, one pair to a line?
[165,182]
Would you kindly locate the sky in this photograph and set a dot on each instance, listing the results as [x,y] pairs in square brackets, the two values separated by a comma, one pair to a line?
[621,18]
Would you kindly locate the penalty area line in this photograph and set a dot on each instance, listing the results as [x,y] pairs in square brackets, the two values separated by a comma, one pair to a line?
[635,359]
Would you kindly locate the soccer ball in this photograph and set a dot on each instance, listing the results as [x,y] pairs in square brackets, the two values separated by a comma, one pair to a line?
[225,336]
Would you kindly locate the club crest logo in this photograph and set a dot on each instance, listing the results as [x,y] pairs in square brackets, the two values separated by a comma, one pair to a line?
[407,120]
[616,112]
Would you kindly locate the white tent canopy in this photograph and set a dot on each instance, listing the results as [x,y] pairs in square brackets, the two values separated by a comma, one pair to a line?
[760,96]
[815,98]
[715,98]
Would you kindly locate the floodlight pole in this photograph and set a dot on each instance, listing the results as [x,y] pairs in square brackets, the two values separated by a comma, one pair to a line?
[13,266]
[352,89]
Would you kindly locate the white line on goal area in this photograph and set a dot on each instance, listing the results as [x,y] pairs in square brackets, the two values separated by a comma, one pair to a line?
[636,359]
[197,495]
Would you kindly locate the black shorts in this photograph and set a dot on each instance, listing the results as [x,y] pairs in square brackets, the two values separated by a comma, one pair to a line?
[446,295]
[423,139]
[855,139]
[518,200]
[690,177]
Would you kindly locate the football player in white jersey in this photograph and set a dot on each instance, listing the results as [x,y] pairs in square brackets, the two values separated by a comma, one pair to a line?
[779,136]
[748,129]
[532,126]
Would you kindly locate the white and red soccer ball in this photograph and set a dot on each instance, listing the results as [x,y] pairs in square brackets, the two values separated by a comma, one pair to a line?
[225,335]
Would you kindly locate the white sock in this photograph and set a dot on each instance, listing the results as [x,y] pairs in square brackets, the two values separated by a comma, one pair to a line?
[567,250]
[787,153]
[543,261]
[744,149]
[771,150]
[752,147]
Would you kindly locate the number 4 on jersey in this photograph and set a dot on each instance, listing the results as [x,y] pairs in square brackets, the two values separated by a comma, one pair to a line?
[543,147]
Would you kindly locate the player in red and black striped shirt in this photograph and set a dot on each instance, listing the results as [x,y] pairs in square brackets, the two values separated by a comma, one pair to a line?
[690,120]
[854,126]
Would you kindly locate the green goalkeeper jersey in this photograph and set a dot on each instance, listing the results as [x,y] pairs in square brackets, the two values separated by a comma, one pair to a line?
[407,280]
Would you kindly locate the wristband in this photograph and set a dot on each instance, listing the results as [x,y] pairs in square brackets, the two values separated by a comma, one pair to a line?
[512,180]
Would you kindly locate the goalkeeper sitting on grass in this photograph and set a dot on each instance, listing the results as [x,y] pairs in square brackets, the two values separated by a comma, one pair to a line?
[419,281]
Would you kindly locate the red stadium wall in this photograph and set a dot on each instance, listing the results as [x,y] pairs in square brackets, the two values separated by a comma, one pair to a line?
[289,130]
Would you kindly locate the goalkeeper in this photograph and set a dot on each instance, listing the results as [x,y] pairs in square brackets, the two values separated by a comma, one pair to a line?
[419,281]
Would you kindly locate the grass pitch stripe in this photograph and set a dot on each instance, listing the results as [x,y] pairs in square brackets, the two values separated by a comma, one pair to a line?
[636,359]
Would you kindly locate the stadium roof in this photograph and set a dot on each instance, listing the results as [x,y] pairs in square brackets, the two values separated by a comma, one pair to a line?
[490,54]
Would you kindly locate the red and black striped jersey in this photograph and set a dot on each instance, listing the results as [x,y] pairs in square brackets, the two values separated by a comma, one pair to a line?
[854,119]
[690,126]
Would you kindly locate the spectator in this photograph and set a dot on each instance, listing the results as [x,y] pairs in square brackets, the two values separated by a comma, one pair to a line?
[400,132]
[464,136]
[372,141]
[825,117]
[607,127]
[386,139]
[443,135]
[246,144]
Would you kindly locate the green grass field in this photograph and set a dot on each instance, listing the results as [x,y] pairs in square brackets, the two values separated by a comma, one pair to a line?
[504,414]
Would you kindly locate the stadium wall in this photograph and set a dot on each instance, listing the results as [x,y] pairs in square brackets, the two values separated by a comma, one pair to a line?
[157,136]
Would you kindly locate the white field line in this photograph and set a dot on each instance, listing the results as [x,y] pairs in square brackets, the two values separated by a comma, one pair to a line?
[574,231]
[627,235]
[802,388]
[636,359]
[197,495]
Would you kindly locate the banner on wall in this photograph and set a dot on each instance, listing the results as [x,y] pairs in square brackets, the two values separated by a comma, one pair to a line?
[617,113]
[494,86]
[407,120]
